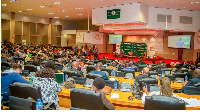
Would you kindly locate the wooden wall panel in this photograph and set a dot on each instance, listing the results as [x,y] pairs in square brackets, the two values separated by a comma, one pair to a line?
[18,27]
[71,40]
[33,29]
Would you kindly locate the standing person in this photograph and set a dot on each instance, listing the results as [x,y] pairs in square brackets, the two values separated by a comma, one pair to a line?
[45,78]
[96,52]
[97,85]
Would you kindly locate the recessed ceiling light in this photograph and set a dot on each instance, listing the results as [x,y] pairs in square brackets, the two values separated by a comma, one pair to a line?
[50,13]
[20,11]
[4,5]
[80,14]
[184,7]
[63,10]
[29,9]
[56,17]
[78,8]
[195,2]
[57,3]
[22,6]
[66,16]
[42,6]
[15,1]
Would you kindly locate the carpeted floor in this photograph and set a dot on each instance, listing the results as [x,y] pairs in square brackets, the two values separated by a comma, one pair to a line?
[167,61]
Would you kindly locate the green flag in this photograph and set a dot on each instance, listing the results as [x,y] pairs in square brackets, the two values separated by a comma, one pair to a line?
[113,14]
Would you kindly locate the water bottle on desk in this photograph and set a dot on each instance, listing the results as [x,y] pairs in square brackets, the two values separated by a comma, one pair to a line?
[115,85]
[134,87]
[186,78]
[39,104]
[112,73]
[66,77]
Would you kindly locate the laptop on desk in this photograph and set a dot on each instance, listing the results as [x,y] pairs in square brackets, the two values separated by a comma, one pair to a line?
[60,78]
[125,87]
[88,82]
[32,74]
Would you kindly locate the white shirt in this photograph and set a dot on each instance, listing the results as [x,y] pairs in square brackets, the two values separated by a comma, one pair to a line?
[156,93]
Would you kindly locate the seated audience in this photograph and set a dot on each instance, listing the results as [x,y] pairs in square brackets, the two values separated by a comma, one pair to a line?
[150,68]
[190,71]
[178,68]
[165,90]
[145,74]
[45,78]
[97,85]
[10,78]
[129,66]
[98,71]
[75,67]
[194,80]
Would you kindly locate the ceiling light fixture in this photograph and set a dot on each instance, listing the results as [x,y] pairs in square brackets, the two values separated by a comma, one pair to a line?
[20,11]
[42,6]
[80,14]
[50,13]
[4,5]
[29,9]
[56,17]
[194,2]
[78,8]
[15,1]
[63,10]
[57,3]
[66,16]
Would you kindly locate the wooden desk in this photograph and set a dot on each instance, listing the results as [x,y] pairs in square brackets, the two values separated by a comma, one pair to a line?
[123,103]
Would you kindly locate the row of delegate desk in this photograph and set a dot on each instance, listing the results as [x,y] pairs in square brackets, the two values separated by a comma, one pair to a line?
[123,103]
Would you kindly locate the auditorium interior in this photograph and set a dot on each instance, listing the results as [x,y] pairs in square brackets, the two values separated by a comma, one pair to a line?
[100,55]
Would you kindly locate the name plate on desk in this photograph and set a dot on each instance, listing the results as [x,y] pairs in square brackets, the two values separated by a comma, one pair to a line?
[114,95]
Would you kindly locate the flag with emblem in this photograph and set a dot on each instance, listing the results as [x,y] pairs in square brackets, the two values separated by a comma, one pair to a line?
[113,14]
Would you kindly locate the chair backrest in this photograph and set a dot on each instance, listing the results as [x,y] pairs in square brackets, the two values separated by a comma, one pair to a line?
[93,76]
[24,90]
[192,90]
[90,68]
[147,81]
[5,64]
[110,83]
[16,103]
[128,71]
[171,77]
[86,99]
[31,68]
[79,80]
[25,73]
[179,75]
[157,102]
[153,73]
[59,66]
[120,74]
[108,70]
[70,73]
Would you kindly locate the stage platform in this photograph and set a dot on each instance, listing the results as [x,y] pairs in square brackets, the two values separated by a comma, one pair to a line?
[148,61]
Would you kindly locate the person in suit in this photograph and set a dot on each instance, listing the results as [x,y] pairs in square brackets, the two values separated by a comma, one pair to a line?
[9,78]
[98,71]
[193,81]
[190,74]
[75,66]
[98,85]
[178,68]
[145,74]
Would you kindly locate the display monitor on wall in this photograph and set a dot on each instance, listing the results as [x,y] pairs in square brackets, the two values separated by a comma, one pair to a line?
[113,39]
[179,41]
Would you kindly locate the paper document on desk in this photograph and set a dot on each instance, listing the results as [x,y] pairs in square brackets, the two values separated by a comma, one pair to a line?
[192,102]
[114,95]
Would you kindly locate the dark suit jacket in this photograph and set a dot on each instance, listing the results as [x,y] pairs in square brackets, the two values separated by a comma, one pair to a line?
[190,74]
[177,71]
[80,73]
[192,82]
